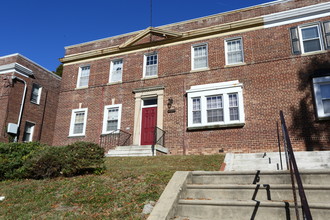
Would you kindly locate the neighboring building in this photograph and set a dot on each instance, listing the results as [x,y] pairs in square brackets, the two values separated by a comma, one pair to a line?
[214,84]
[29,98]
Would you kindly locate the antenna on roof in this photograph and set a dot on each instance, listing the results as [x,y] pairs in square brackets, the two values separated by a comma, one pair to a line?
[150,19]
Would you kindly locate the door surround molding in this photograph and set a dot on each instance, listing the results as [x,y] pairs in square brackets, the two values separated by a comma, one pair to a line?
[143,93]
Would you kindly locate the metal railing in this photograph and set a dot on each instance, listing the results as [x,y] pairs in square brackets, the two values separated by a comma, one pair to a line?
[114,139]
[159,137]
[295,175]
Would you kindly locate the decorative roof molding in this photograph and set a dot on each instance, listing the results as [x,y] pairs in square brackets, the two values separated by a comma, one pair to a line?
[149,30]
[222,28]
[16,68]
[215,86]
[148,89]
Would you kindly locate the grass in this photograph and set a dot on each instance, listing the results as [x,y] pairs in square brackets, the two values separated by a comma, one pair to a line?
[120,193]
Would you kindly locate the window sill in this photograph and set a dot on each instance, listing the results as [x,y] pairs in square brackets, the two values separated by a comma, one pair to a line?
[83,87]
[149,77]
[323,118]
[207,127]
[234,65]
[114,83]
[35,103]
[314,53]
[76,136]
[199,70]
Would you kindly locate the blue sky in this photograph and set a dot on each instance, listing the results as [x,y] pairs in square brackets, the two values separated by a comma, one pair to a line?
[40,29]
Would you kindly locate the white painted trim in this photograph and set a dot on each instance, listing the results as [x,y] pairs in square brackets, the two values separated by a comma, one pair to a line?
[31,61]
[111,71]
[318,98]
[204,91]
[32,131]
[145,65]
[16,68]
[193,56]
[73,116]
[105,117]
[226,50]
[39,94]
[79,77]
[297,15]
[300,27]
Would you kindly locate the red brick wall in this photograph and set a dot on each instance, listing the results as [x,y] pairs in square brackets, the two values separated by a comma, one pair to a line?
[44,120]
[273,79]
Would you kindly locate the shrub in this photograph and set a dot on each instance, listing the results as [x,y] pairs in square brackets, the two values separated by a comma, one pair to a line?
[13,156]
[67,160]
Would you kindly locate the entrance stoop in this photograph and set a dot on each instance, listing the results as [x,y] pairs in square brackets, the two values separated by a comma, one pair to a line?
[136,151]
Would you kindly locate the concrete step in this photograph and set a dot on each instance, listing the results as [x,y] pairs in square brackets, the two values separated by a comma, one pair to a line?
[275,192]
[244,209]
[313,177]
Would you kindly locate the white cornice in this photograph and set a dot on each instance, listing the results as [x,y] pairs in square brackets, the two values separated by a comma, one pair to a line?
[297,15]
[16,68]
[214,86]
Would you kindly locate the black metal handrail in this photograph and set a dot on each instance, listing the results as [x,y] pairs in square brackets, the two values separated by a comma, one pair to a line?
[114,139]
[159,137]
[295,175]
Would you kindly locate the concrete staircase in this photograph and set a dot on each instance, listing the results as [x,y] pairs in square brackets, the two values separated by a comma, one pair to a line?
[241,195]
[136,151]
[271,161]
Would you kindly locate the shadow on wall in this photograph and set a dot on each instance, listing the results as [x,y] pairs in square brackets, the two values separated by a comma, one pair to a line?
[315,134]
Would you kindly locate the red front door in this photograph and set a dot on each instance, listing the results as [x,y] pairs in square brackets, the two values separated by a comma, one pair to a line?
[149,121]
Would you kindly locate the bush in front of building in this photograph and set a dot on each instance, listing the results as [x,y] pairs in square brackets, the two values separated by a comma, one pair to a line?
[13,157]
[48,161]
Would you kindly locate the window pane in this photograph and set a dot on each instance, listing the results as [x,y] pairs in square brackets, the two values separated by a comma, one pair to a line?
[196,104]
[215,115]
[151,65]
[78,128]
[325,91]
[112,125]
[312,45]
[113,113]
[117,69]
[84,76]
[214,102]
[200,57]
[234,51]
[326,106]
[214,109]
[79,117]
[148,102]
[197,117]
[311,32]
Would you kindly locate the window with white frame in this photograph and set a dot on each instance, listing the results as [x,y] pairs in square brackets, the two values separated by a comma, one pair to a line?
[111,118]
[310,37]
[116,70]
[150,65]
[199,54]
[28,132]
[215,105]
[321,87]
[78,122]
[36,94]
[83,76]
[234,51]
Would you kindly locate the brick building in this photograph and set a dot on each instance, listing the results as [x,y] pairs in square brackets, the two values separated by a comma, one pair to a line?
[213,84]
[29,98]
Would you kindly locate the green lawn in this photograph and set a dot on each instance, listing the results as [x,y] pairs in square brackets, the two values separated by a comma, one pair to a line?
[120,193]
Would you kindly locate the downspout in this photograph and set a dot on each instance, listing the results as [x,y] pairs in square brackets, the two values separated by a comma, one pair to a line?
[22,105]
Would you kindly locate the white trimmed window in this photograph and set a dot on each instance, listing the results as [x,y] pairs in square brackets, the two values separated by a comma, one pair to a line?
[199,54]
[83,76]
[322,96]
[36,94]
[78,122]
[28,132]
[112,118]
[310,37]
[116,71]
[234,51]
[215,105]
[150,65]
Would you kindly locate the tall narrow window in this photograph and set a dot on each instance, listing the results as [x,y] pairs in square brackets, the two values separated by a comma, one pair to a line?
[197,117]
[322,96]
[199,56]
[233,107]
[112,118]
[36,93]
[151,65]
[83,76]
[214,109]
[78,122]
[234,51]
[116,71]
[28,132]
